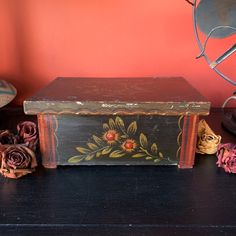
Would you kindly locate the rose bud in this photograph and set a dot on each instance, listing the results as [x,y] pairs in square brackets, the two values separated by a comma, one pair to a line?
[28,134]
[6,137]
[17,161]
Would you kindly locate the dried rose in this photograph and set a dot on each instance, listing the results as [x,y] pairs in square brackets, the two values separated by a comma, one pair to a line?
[28,134]
[6,137]
[226,155]
[16,161]
[208,141]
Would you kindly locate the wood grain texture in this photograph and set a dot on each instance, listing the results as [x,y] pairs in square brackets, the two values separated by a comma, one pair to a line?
[106,96]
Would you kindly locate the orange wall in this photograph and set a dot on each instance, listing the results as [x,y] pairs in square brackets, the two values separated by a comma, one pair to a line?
[44,39]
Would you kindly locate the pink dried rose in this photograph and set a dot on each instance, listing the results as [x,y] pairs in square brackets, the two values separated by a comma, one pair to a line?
[28,134]
[6,137]
[226,155]
[16,161]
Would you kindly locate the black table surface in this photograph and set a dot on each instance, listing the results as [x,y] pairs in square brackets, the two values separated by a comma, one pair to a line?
[120,200]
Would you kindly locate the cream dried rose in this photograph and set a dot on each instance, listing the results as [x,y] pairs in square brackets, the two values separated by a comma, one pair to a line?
[208,141]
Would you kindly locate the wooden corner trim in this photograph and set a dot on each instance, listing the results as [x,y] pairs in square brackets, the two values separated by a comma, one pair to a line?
[189,139]
[47,140]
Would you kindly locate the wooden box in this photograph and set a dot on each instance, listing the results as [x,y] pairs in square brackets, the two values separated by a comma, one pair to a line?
[118,121]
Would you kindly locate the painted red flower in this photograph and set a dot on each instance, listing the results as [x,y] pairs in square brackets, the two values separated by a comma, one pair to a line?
[226,155]
[129,145]
[111,136]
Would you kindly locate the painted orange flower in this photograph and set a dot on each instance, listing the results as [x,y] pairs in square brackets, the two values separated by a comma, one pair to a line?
[129,145]
[111,136]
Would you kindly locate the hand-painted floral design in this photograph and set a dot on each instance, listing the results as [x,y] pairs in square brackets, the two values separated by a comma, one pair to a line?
[129,145]
[116,141]
[111,136]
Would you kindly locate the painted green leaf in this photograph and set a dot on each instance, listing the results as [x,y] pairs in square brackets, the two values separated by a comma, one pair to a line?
[120,123]
[161,155]
[117,154]
[106,127]
[157,160]
[76,159]
[138,155]
[98,154]
[112,123]
[154,148]
[97,140]
[92,146]
[148,158]
[143,140]
[106,150]
[89,157]
[82,150]
[132,128]
[124,136]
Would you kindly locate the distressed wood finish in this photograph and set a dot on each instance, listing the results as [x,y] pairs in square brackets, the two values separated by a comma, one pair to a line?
[118,121]
[107,96]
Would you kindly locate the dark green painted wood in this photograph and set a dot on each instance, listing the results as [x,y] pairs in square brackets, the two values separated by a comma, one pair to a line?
[77,131]
[126,96]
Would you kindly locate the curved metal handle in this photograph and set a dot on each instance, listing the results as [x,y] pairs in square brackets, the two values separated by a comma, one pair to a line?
[202,48]
[227,101]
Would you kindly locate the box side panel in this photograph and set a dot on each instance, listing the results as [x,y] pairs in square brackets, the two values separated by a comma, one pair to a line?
[116,140]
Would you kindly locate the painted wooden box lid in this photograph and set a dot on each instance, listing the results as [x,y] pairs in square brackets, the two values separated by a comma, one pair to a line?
[106,96]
